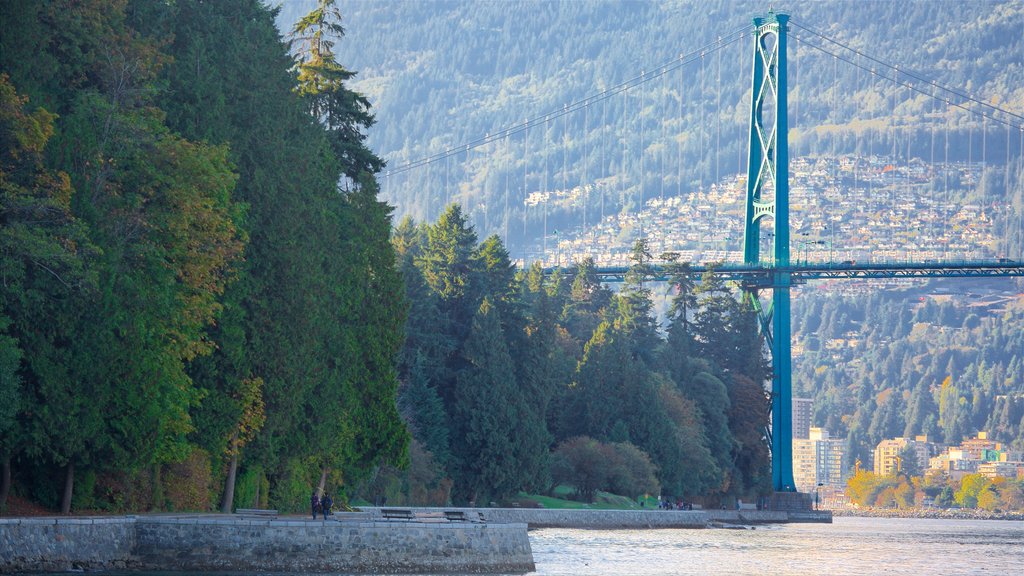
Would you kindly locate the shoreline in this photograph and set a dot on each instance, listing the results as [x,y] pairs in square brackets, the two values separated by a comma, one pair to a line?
[928,513]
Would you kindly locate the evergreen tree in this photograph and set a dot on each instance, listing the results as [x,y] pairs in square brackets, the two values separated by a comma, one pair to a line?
[321,83]
[423,409]
[499,446]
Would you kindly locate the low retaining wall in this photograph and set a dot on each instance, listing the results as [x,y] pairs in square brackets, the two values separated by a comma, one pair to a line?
[221,543]
[600,519]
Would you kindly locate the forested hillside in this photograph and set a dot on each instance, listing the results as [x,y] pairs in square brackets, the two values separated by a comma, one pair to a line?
[442,74]
[189,301]
[944,360]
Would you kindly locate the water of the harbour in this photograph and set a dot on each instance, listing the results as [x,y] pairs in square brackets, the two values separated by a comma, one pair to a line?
[854,546]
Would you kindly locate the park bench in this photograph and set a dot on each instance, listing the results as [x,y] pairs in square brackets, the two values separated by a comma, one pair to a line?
[256,513]
[463,516]
[396,514]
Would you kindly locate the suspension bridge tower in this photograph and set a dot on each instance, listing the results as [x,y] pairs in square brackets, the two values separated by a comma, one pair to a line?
[767,199]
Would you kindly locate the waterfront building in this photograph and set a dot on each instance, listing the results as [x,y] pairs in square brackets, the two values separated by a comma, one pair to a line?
[979,455]
[1001,469]
[981,447]
[818,460]
[888,454]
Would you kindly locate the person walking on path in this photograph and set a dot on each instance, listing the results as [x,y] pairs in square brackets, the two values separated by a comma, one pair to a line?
[325,505]
[314,504]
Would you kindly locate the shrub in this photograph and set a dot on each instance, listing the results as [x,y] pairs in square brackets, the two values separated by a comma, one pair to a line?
[187,483]
[248,488]
[291,490]
[589,466]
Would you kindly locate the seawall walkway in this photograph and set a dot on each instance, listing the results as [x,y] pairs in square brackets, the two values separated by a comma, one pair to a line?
[222,543]
[626,519]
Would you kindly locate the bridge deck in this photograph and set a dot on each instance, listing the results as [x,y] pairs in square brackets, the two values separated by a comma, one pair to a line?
[765,275]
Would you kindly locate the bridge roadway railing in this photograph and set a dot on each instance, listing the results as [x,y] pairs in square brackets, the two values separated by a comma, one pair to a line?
[764,275]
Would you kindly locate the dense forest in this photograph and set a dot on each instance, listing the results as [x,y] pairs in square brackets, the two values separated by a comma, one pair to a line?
[443,74]
[190,303]
[196,315]
[516,380]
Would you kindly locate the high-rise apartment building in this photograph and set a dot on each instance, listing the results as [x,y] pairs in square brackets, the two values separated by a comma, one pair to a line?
[802,418]
[818,459]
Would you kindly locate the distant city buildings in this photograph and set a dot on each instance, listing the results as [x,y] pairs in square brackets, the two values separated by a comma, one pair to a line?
[979,455]
[818,460]
[802,418]
[889,455]
[973,456]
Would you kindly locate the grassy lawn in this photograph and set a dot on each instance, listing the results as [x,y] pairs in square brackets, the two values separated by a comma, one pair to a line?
[562,500]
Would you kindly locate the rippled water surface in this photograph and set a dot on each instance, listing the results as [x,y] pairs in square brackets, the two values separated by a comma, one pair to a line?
[848,546]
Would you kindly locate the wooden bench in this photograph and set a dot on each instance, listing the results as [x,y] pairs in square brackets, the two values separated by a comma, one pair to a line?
[463,516]
[455,516]
[396,514]
[256,513]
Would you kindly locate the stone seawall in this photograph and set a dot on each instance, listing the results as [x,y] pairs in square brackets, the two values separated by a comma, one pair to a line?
[231,544]
[50,544]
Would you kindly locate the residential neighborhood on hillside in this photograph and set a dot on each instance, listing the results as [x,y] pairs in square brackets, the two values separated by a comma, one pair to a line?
[848,208]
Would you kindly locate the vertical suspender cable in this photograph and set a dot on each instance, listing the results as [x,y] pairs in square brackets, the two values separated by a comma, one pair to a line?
[642,179]
[664,136]
[525,186]
[700,134]
[718,114]
[622,165]
[741,125]
[931,171]
[1006,171]
[856,132]
[679,135]
[945,172]
[547,189]
[871,141]
[565,153]
[601,146]
[508,168]
[892,114]
[586,162]
[970,148]
[835,162]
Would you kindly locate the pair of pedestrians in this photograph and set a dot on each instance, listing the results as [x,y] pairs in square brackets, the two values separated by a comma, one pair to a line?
[321,505]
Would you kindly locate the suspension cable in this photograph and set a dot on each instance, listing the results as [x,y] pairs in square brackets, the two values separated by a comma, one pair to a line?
[895,77]
[904,71]
[647,76]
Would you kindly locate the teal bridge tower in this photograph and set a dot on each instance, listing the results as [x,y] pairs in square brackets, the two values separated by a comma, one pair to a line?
[767,198]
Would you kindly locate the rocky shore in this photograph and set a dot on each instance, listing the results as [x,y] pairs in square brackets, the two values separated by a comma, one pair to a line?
[932,513]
